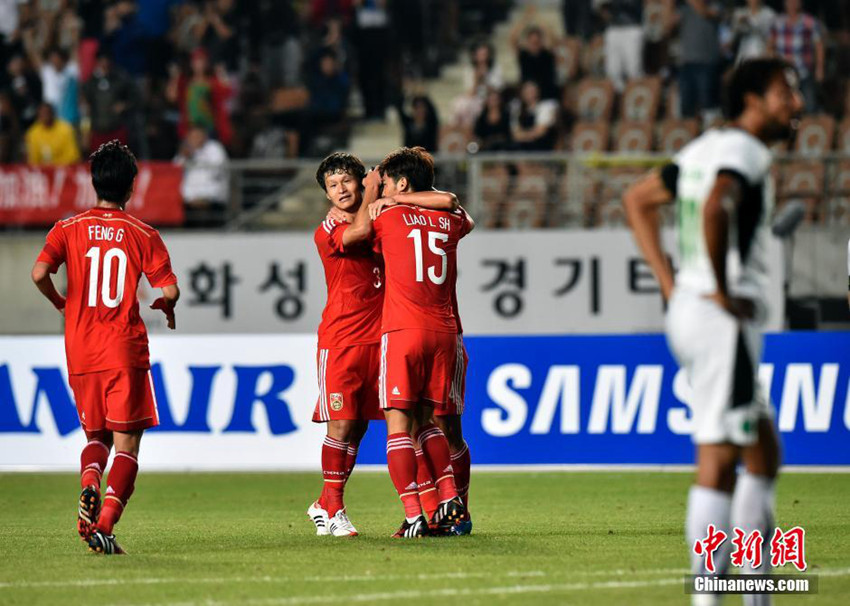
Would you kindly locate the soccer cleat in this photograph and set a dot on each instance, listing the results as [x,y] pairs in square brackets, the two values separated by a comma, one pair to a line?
[447,516]
[100,542]
[340,526]
[88,510]
[464,527]
[319,516]
[412,530]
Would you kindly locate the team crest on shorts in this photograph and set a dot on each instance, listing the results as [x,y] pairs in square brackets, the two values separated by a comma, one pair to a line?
[336,401]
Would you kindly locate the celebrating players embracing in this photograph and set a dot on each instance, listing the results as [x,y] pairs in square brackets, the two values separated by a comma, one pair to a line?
[721,185]
[106,251]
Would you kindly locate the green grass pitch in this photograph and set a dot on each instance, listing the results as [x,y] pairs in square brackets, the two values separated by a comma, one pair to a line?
[542,538]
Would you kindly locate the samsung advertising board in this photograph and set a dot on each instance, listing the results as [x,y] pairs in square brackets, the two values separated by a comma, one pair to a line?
[245,402]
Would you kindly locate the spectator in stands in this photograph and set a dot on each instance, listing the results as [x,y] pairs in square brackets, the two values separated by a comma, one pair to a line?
[698,23]
[125,37]
[329,86]
[91,13]
[797,38]
[216,32]
[533,120]
[578,18]
[201,97]
[372,42]
[274,27]
[623,40]
[24,90]
[50,141]
[536,61]
[206,179]
[493,126]
[481,76]
[152,25]
[9,130]
[59,80]
[421,125]
[109,97]
[751,27]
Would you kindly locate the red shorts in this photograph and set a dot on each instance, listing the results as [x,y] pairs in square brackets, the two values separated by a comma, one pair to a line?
[416,366]
[348,384]
[119,399]
[458,388]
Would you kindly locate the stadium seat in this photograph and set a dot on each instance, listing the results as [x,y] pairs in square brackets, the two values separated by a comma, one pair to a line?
[653,20]
[567,59]
[594,99]
[609,207]
[815,135]
[529,198]
[838,203]
[593,57]
[289,99]
[589,137]
[454,139]
[671,102]
[802,180]
[673,135]
[842,143]
[633,137]
[641,100]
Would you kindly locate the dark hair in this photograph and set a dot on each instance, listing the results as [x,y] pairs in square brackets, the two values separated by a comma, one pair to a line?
[113,170]
[414,163]
[753,76]
[340,162]
[491,52]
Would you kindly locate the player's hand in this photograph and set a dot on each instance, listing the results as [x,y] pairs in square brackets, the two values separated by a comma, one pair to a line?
[373,179]
[378,205]
[337,215]
[168,309]
[742,309]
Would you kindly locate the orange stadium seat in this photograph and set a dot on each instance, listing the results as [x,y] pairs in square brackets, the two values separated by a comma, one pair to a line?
[633,137]
[567,59]
[815,135]
[842,143]
[641,100]
[528,202]
[289,99]
[454,139]
[590,137]
[673,135]
[802,180]
[594,99]
[593,57]
[838,204]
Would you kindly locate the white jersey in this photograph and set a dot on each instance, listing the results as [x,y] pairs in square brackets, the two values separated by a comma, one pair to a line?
[734,151]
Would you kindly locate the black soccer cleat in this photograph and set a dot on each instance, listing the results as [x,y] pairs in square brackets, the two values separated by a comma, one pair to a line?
[100,542]
[447,516]
[412,530]
[88,511]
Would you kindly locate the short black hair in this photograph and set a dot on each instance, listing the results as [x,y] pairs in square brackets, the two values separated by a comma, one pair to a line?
[414,163]
[113,170]
[752,76]
[340,162]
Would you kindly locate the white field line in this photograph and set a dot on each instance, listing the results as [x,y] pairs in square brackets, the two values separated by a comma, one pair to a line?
[463,592]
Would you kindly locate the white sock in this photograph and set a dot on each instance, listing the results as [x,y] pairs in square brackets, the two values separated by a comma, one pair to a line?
[752,509]
[707,506]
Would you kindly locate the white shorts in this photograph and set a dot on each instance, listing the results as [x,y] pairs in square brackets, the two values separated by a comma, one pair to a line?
[720,356]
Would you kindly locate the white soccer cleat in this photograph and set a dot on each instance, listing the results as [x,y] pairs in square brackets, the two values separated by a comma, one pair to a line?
[341,526]
[319,517]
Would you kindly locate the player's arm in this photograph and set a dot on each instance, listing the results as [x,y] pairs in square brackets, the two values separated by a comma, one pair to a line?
[167,302]
[360,229]
[434,200]
[722,203]
[642,201]
[44,283]
[470,224]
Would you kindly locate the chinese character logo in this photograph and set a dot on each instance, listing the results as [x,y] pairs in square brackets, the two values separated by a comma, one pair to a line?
[789,547]
[707,546]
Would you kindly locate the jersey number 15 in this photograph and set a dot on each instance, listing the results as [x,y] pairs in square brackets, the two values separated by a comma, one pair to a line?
[433,238]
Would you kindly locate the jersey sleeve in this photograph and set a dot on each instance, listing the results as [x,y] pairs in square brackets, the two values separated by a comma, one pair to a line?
[378,228]
[332,232]
[466,223]
[157,264]
[743,158]
[54,252]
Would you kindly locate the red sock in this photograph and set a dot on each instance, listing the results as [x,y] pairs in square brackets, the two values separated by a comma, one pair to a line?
[427,491]
[460,465]
[401,461]
[350,459]
[334,455]
[435,449]
[119,487]
[92,463]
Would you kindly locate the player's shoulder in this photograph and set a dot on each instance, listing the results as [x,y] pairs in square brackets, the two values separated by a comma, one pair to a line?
[140,226]
[325,228]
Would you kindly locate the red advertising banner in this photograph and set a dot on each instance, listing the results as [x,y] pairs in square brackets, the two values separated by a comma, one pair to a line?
[41,196]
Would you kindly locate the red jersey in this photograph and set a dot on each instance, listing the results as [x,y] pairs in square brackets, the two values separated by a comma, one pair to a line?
[106,251]
[355,283]
[420,255]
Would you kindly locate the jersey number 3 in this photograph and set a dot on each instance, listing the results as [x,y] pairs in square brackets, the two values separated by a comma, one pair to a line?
[433,237]
[94,275]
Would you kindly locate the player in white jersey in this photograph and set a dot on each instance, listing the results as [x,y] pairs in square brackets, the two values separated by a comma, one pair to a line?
[723,193]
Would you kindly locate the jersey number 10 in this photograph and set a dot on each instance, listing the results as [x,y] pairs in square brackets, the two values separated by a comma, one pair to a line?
[94,275]
[433,237]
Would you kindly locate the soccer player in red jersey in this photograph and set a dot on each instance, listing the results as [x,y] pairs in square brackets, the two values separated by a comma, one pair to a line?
[105,251]
[419,332]
[349,334]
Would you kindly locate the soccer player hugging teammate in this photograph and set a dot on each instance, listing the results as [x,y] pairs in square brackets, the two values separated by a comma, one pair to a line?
[419,340]
[106,251]
[349,334]
[721,186]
